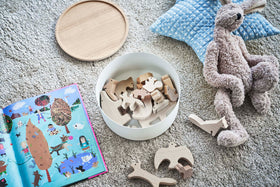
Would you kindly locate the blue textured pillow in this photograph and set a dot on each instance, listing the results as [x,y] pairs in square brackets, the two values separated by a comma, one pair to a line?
[193,21]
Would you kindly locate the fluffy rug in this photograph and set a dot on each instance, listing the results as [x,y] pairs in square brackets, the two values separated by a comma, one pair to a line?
[32,63]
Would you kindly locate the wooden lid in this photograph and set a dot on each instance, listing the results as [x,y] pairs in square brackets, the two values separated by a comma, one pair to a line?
[91,30]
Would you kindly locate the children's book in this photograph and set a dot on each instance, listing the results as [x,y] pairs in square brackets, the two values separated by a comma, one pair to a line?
[48,140]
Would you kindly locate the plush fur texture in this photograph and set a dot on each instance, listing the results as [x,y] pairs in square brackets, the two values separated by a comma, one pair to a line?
[235,72]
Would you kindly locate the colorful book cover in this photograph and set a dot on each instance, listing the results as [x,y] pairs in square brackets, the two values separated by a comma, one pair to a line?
[48,140]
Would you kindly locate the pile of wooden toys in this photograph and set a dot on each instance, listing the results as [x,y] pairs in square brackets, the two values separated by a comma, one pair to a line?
[150,101]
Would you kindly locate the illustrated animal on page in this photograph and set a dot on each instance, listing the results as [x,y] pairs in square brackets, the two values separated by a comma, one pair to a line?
[230,68]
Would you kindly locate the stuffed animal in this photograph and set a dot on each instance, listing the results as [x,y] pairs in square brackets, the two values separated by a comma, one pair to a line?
[230,68]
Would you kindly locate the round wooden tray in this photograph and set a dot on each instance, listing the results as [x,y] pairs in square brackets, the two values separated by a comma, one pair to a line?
[91,30]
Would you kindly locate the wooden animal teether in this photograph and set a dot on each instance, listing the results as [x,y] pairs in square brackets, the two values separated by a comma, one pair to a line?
[167,81]
[170,93]
[210,126]
[130,101]
[110,108]
[123,85]
[110,88]
[142,78]
[152,179]
[157,96]
[173,154]
[186,171]
[161,115]
[141,113]
[152,83]
[160,106]
[141,94]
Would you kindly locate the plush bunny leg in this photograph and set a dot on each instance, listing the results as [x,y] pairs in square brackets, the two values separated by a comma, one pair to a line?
[265,76]
[260,101]
[237,134]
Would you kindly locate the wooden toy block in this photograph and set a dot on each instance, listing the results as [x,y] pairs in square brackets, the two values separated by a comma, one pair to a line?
[170,93]
[157,96]
[167,81]
[155,181]
[141,113]
[130,101]
[151,84]
[160,106]
[142,78]
[210,126]
[173,154]
[110,108]
[110,88]
[159,115]
[141,94]
[186,171]
[123,85]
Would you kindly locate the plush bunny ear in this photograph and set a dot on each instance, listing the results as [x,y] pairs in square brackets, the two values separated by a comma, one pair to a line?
[223,2]
[250,6]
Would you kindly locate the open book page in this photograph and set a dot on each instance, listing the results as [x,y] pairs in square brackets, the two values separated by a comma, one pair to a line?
[9,173]
[55,141]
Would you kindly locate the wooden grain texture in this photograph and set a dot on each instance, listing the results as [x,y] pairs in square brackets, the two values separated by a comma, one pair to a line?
[210,126]
[155,181]
[173,154]
[91,30]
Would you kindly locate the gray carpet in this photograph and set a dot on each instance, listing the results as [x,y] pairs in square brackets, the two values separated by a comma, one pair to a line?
[32,63]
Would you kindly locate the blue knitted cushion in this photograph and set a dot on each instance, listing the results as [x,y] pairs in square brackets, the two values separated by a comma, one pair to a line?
[193,21]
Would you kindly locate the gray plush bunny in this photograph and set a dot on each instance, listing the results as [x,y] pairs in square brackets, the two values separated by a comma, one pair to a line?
[230,68]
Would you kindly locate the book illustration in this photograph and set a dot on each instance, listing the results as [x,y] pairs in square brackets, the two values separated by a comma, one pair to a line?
[39,135]
[84,143]
[78,126]
[62,145]
[33,164]
[18,135]
[24,149]
[52,130]
[38,147]
[6,123]
[40,116]
[61,113]
[37,178]
[3,168]
[2,150]
[77,163]
[30,111]
[43,101]
[3,182]
[19,124]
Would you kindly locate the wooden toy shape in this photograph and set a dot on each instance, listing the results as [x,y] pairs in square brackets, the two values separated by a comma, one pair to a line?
[186,171]
[167,81]
[160,106]
[123,85]
[130,101]
[110,88]
[170,93]
[110,108]
[210,126]
[142,78]
[139,86]
[157,96]
[141,94]
[141,113]
[152,83]
[173,154]
[152,179]
[159,115]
